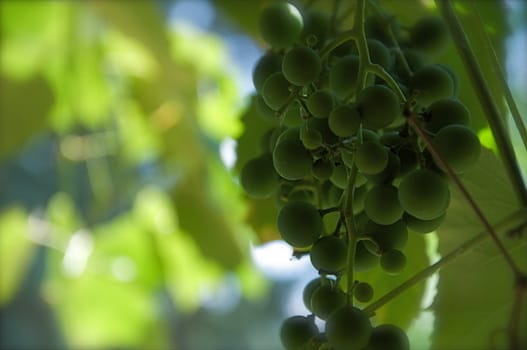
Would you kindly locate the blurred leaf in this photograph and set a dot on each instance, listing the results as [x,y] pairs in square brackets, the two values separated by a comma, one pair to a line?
[467,316]
[23,111]
[62,214]
[16,251]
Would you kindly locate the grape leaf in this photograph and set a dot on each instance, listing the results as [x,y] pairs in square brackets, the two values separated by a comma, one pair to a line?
[475,294]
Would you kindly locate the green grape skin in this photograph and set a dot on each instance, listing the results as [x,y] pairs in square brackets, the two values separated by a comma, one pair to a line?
[414,59]
[389,173]
[452,75]
[301,66]
[359,197]
[386,237]
[446,112]
[293,116]
[388,337]
[258,177]
[316,28]
[377,28]
[328,254]
[408,160]
[371,157]
[339,176]
[379,53]
[287,134]
[424,194]
[363,292]
[430,35]
[264,111]
[330,195]
[344,121]
[292,160]
[423,226]
[378,106]
[320,103]
[365,135]
[310,137]
[297,331]
[302,195]
[326,299]
[459,146]
[343,76]
[267,64]
[265,140]
[431,83]
[322,169]
[382,204]
[364,259]
[348,328]
[281,24]
[299,224]
[308,291]
[321,125]
[275,91]
[393,261]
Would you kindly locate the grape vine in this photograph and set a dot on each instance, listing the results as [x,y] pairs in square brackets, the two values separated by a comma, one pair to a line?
[369,127]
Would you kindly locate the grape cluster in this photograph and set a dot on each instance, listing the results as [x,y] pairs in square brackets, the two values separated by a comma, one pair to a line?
[335,142]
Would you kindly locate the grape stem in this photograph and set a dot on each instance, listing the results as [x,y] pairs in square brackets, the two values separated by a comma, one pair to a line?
[351,229]
[511,221]
[485,97]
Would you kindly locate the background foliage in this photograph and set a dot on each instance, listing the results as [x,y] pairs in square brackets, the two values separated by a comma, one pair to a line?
[121,226]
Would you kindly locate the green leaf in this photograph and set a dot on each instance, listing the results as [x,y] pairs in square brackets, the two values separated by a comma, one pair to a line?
[475,293]
[15,251]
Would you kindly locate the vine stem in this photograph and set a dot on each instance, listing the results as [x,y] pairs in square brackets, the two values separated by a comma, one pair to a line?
[511,221]
[485,97]
[414,124]
[351,230]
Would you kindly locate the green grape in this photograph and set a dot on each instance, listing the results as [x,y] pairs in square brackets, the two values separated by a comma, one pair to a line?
[424,194]
[326,299]
[452,75]
[365,135]
[281,24]
[301,66]
[363,292]
[344,121]
[386,237]
[308,292]
[382,205]
[320,103]
[393,261]
[378,28]
[378,106]
[258,177]
[388,337]
[391,139]
[322,169]
[431,83]
[291,159]
[316,28]
[297,331]
[288,134]
[371,157]
[277,132]
[430,35]
[339,176]
[359,197]
[409,160]
[379,53]
[267,64]
[348,158]
[364,259]
[446,112]
[263,110]
[310,137]
[302,195]
[275,91]
[458,146]
[282,194]
[321,125]
[330,195]
[343,76]
[330,220]
[328,254]
[348,328]
[293,116]
[299,223]
[414,59]
[389,173]
[265,140]
[423,226]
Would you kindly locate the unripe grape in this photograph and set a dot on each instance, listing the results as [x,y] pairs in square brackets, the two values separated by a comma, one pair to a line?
[316,28]
[446,112]
[382,205]
[308,291]
[389,173]
[339,176]
[267,64]
[379,53]
[409,160]
[275,91]
[363,292]
[423,226]
[299,223]
[378,28]
[393,261]
[264,111]
[364,259]
[291,159]
[321,125]
[344,120]
[458,146]
[378,106]
[293,116]
[258,177]
[320,103]
[310,137]
[301,66]
[424,194]
[430,35]
[296,332]
[386,237]
[326,299]
[388,337]
[371,157]
[348,328]
[432,83]
[322,169]
[328,254]
[281,24]
[343,76]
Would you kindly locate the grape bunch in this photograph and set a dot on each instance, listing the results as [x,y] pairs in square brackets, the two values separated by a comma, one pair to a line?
[349,174]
